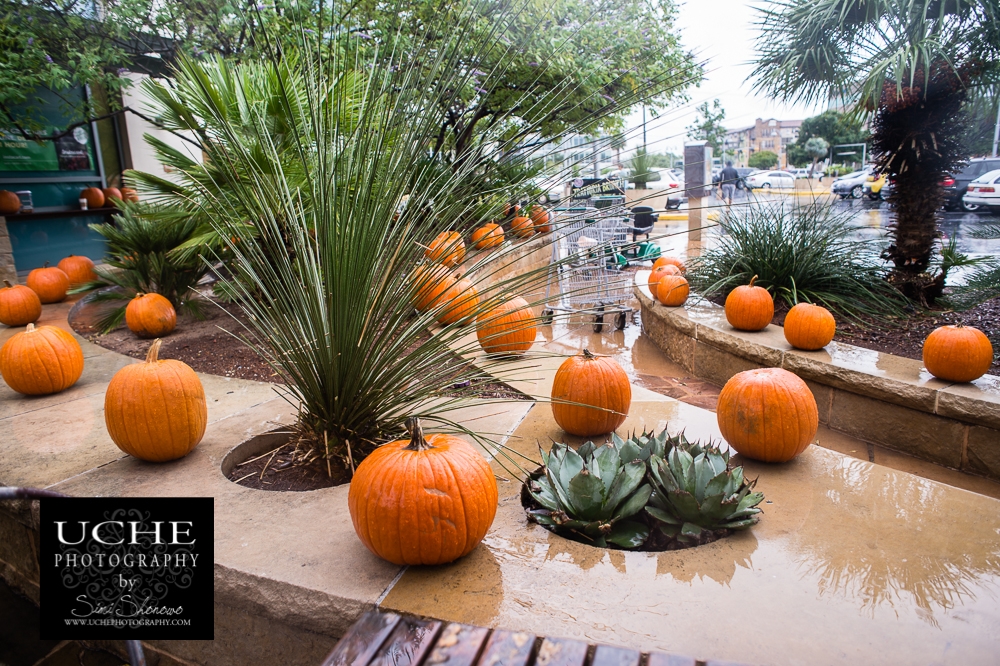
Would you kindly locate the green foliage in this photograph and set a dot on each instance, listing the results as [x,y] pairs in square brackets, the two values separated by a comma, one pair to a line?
[592,493]
[807,253]
[597,495]
[641,169]
[695,490]
[662,160]
[322,187]
[142,258]
[708,126]
[763,159]
[983,284]
[834,127]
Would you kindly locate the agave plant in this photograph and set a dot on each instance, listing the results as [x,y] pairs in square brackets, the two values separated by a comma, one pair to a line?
[592,493]
[695,490]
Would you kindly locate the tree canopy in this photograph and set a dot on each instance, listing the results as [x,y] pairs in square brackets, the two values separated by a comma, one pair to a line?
[708,126]
[762,159]
[834,127]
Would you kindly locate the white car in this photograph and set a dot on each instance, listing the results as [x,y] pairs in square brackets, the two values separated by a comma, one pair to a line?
[985,191]
[770,179]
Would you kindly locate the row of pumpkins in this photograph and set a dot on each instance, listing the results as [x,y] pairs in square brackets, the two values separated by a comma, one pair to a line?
[146,315]
[10,203]
[952,353]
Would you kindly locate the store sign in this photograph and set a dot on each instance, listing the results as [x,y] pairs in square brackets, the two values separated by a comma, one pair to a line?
[127,568]
[585,188]
[68,153]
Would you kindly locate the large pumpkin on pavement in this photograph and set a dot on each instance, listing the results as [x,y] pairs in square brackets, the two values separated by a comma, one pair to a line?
[767,414]
[50,283]
[423,500]
[18,305]
[591,395]
[41,361]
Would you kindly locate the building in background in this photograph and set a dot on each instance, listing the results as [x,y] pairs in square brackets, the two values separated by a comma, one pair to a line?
[770,134]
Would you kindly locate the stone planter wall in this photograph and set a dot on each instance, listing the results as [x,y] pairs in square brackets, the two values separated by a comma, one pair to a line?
[879,398]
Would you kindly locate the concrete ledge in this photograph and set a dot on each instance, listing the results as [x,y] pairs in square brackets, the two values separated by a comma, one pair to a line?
[879,398]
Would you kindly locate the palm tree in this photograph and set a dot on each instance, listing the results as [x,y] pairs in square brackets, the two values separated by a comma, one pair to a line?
[909,66]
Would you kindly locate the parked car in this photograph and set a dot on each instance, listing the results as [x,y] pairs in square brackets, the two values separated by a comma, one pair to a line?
[741,184]
[852,185]
[873,187]
[956,186]
[672,181]
[799,173]
[770,179]
[984,192]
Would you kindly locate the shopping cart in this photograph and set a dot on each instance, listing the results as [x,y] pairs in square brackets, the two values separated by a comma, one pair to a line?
[589,279]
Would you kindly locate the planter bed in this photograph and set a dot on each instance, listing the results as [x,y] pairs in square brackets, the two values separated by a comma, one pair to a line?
[879,398]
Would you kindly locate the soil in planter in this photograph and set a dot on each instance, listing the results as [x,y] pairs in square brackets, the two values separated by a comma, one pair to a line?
[655,543]
[281,469]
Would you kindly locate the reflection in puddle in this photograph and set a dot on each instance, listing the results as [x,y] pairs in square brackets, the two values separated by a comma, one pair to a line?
[896,551]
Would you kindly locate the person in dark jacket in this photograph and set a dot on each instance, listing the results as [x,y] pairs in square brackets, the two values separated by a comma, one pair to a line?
[728,179]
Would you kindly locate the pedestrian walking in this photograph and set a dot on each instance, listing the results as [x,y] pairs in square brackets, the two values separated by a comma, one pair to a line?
[728,179]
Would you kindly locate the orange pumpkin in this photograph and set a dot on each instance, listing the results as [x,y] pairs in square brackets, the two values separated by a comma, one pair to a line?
[509,328]
[10,203]
[447,249]
[156,410]
[540,220]
[425,500]
[670,261]
[522,227]
[591,395]
[673,290]
[487,236]
[767,414]
[94,197]
[749,308]
[41,361]
[50,283]
[659,273]
[430,281]
[511,209]
[957,353]
[129,194]
[462,302]
[78,269]
[18,305]
[111,193]
[809,327]
[150,315]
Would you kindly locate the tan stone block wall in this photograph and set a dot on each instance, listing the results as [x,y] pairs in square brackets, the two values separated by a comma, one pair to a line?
[7,269]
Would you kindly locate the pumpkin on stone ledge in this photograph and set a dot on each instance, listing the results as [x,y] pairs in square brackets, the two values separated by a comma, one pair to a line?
[809,327]
[591,395]
[768,414]
[749,308]
[426,500]
[156,410]
[957,353]
[509,328]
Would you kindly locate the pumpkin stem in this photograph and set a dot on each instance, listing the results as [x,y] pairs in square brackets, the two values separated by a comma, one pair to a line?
[154,351]
[588,355]
[7,284]
[752,280]
[417,441]
[29,328]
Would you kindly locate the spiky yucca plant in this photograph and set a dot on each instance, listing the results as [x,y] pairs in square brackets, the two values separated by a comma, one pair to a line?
[695,490]
[592,493]
[319,183]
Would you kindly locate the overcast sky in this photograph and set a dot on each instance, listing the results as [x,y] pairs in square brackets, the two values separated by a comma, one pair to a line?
[722,32]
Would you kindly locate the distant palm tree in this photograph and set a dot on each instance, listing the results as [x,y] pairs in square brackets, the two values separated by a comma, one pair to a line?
[909,65]
[618,142]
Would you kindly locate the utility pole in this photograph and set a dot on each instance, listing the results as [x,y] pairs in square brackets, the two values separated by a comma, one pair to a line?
[644,130]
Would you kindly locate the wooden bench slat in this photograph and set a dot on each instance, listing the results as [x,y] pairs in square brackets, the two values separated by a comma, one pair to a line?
[508,648]
[408,643]
[365,636]
[458,645]
[561,652]
[606,655]
[662,659]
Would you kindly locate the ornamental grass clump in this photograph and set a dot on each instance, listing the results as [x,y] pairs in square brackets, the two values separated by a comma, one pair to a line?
[329,173]
[810,253]
[648,492]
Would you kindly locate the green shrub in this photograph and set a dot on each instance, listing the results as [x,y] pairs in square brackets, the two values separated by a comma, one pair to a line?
[808,254]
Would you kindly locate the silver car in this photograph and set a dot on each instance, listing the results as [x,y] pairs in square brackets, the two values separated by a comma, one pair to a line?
[852,185]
